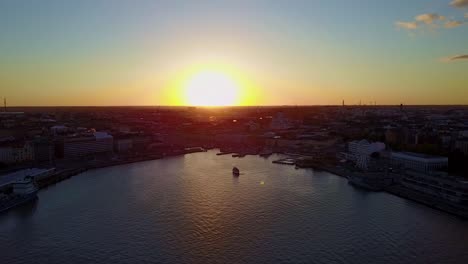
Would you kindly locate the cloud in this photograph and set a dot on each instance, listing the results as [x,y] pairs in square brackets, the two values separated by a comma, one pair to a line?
[453,24]
[463,57]
[429,18]
[429,21]
[407,25]
[459,3]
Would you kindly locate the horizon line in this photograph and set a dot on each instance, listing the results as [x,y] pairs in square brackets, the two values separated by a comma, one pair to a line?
[226,106]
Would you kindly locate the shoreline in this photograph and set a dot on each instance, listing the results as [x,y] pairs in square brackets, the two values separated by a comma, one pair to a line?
[70,172]
[395,190]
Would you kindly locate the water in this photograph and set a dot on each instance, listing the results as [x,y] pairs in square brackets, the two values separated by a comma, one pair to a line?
[191,210]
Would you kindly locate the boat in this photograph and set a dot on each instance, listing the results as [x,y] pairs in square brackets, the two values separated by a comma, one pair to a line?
[286,161]
[235,171]
[23,191]
[223,153]
[195,149]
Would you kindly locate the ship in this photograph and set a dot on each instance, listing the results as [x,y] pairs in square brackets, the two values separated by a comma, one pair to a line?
[372,181]
[235,171]
[364,183]
[22,191]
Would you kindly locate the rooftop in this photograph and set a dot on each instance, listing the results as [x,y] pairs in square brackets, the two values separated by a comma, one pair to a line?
[417,156]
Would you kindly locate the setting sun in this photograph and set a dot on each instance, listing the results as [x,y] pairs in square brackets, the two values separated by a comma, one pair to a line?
[211,88]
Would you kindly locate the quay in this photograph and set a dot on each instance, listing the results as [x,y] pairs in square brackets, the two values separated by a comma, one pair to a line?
[391,182]
[46,177]
[285,161]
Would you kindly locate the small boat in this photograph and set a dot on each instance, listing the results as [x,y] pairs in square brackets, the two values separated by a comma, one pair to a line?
[235,171]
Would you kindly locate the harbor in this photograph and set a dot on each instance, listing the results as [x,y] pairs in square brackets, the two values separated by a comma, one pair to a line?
[43,178]
[370,181]
[169,205]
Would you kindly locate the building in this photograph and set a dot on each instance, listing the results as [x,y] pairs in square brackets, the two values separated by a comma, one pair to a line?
[16,152]
[462,145]
[141,142]
[123,145]
[98,143]
[131,142]
[280,122]
[418,162]
[43,150]
[58,129]
[438,185]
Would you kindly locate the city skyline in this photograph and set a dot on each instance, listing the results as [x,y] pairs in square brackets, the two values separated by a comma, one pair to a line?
[102,53]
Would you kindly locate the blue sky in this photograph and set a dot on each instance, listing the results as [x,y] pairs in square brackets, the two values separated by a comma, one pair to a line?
[297,52]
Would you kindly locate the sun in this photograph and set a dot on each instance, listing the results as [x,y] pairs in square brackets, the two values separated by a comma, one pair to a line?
[211,88]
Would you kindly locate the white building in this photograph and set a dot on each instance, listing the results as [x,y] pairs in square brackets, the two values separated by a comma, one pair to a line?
[418,162]
[16,153]
[439,185]
[99,143]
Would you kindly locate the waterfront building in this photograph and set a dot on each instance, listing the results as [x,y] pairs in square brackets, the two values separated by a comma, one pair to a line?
[98,143]
[16,152]
[133,141]
[418,161]
[123,145]
[141,142]
[43,150]
[438,185]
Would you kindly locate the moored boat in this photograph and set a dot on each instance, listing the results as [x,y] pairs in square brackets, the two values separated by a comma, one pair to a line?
[23,191]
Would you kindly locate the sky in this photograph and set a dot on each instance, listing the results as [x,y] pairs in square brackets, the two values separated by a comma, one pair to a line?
[311,52]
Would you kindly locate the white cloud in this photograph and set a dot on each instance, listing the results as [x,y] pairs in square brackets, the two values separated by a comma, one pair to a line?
[407,25]
[453,24]
[459,3]
[429,21]
[429,18]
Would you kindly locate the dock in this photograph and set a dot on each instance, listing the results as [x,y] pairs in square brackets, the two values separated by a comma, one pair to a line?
[285,161]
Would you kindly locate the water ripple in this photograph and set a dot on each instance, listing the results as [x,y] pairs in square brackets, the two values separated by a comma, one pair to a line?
[191,210]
